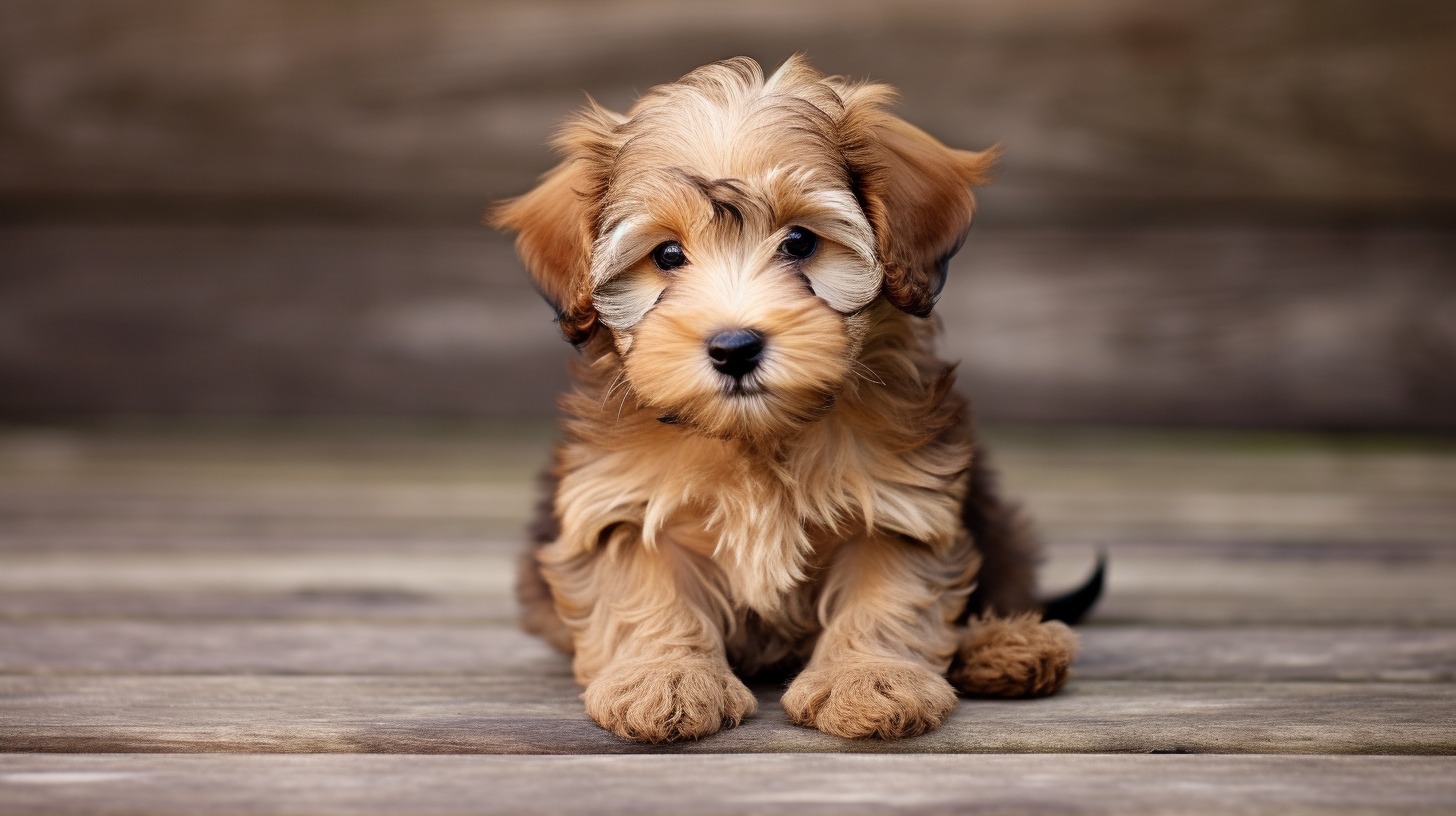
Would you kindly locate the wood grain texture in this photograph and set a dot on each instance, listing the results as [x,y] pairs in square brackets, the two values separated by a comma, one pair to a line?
[362,525]
[324,486]
[1221,326]
[830,784]
[429,109]
[332,163]
[293,647]
[315,622]
[1179,585]
[218,603]
[1255,654]
[542,714]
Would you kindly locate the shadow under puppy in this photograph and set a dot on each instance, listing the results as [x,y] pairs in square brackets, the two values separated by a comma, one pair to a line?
[764,466]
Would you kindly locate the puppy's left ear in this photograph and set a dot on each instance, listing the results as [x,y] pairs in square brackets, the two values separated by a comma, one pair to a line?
[915,191]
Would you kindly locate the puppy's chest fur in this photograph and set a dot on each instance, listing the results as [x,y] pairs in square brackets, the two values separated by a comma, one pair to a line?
[762,520]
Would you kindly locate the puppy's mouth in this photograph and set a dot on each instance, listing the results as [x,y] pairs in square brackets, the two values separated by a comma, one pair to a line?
[743,388]
[802,415]
[732,389]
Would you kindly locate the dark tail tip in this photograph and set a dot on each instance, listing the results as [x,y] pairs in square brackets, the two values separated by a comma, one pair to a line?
[1073,606]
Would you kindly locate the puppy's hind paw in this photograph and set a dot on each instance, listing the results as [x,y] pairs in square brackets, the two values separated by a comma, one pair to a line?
[1014,657]
[668,699]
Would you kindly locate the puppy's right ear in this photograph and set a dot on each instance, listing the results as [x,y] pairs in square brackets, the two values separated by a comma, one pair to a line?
[555,223]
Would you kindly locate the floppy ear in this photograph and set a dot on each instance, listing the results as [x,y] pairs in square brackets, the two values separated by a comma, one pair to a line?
[915,191]
[555,223]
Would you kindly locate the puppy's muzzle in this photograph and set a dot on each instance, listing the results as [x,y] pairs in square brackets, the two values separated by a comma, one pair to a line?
[736,352]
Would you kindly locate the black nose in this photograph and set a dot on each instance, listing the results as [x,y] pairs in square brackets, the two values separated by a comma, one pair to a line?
[736,352]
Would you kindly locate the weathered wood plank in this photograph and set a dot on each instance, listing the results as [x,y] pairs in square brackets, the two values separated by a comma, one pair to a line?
[1151,584]
[1238,525]
[540,714]
[325,487]
[359,603]
[217,516]
[486,571]
[1262,654]
[162,785]
[1297,586]
[1124,105]
[294,647]
[197,454]
[1234,654]
[1222,326]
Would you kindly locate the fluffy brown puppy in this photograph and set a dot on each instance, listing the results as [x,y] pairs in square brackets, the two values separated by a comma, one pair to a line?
[765,467]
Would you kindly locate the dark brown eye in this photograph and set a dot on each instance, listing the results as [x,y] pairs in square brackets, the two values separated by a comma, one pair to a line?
[799,243]
[669,255]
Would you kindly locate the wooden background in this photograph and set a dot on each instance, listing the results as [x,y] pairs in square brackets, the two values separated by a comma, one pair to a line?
[1214,213]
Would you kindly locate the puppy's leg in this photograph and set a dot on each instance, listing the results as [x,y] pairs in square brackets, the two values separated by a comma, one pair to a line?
[1019,656]
[1006,584]
[879,666]
[538,609]
[647,625]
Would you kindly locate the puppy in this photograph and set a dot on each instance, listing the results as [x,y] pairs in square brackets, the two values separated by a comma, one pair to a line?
[764,468]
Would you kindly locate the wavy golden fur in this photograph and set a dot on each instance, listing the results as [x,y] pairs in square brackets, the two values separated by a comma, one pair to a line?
[816,514]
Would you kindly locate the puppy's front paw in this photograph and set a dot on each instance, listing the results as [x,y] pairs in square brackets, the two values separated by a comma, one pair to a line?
[864,697]
[667,699]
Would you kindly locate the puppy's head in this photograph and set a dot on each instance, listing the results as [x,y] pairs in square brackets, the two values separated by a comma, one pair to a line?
[732,235]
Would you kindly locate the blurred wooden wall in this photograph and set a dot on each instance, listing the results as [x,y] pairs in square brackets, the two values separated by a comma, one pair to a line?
[1227,213]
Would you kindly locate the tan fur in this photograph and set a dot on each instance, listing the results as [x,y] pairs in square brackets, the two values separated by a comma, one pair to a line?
[814,514]
[1014,657]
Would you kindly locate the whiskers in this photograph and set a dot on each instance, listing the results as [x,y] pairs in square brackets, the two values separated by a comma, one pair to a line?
[619,383]
[865,373]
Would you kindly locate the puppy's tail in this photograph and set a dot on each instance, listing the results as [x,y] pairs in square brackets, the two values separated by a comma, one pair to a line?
[1072,606]
[1009,553]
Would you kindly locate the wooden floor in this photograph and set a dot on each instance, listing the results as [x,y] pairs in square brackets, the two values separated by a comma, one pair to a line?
[318,620]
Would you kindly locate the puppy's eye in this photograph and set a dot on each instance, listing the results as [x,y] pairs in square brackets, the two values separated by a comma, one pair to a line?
[799,243]
[669,255]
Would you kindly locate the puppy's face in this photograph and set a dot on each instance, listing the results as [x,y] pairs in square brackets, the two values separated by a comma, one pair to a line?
[731,234]
[734,263]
